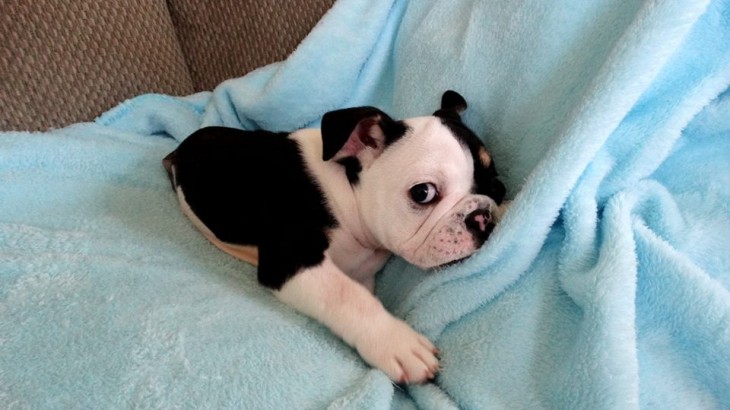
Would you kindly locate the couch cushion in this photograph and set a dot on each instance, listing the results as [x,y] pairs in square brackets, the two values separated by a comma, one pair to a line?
[64,62]
[225,39]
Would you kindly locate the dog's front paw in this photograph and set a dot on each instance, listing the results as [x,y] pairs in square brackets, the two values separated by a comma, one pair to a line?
[402,353]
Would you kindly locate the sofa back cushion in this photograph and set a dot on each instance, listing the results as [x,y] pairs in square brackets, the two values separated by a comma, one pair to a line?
[68,61]
[64,62]
[224,39]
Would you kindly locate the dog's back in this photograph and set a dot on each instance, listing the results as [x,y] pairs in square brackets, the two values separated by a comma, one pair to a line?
[249,188]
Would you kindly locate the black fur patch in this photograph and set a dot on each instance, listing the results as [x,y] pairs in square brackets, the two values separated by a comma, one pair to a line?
[393,130]
[352,169]
[485,178]
[252,188]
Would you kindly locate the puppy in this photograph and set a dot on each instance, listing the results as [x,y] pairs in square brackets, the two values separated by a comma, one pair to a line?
[321,211]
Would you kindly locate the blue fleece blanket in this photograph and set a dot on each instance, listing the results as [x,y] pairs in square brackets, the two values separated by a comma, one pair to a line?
[605,286]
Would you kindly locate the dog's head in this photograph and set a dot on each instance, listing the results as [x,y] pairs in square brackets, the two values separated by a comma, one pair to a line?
[427,187]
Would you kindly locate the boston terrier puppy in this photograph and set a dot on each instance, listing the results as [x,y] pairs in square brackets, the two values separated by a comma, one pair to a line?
[321,211]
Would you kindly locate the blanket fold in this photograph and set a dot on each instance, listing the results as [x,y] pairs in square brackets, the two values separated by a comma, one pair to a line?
[606,285]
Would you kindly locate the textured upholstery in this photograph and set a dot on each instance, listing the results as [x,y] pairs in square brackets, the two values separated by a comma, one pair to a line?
[224,39]
[68,61]
[64,62]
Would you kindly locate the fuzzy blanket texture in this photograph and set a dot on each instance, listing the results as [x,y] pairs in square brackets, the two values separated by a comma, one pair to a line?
[605,286]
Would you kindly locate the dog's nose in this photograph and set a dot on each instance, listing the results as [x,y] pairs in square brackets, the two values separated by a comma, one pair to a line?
[480,224]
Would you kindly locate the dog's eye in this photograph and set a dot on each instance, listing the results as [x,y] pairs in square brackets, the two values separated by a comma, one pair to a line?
[423,193]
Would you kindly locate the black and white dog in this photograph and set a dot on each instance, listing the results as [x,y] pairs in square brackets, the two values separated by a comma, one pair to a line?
[320,212]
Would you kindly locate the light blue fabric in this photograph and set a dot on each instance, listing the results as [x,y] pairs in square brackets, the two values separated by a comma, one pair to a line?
[605,286]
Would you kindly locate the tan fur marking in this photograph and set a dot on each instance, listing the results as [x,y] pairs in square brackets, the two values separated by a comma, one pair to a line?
[248,254]
[484,157]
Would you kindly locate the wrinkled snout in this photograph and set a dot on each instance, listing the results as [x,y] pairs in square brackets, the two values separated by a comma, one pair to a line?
[480,224]
[458,233]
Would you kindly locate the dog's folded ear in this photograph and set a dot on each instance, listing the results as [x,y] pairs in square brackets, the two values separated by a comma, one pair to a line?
[452,105]
[351,132]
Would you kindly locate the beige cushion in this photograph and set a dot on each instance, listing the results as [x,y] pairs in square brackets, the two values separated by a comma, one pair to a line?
[64,62]
[225,39]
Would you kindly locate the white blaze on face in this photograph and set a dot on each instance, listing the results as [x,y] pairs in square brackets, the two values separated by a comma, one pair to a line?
[425,235]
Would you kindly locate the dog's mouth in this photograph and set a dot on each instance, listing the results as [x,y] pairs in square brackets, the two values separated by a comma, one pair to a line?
[456,237]
[454,262]
[479,241]
[432,261]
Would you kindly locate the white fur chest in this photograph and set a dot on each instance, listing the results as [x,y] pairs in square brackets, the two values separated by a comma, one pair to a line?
[357,261]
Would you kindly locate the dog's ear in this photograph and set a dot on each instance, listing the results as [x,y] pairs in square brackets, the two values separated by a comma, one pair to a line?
[452,105]
[352,132]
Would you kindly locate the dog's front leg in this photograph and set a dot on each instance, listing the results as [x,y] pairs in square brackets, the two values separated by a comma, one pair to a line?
[327,294]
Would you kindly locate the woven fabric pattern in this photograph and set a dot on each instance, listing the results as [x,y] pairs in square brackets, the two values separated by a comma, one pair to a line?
[64,62]
[225,39]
